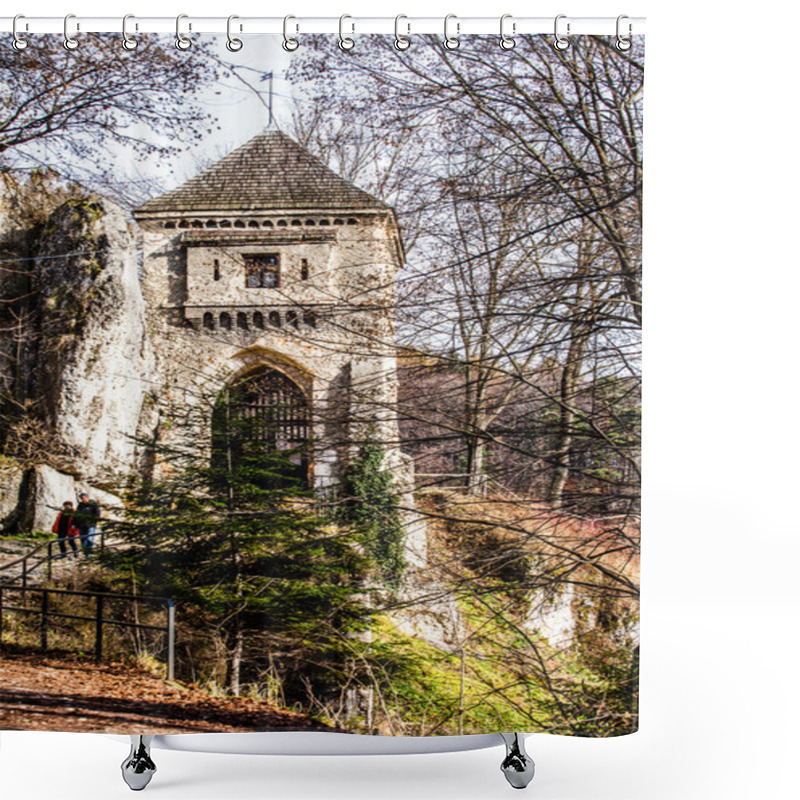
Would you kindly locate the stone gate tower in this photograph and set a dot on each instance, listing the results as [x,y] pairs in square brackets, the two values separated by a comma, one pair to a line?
[270,273]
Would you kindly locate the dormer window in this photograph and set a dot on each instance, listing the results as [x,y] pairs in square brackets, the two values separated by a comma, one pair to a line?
[262,271]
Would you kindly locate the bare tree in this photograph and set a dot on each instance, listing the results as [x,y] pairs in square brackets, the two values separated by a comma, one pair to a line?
[74,109]
[521,307]
[525,215]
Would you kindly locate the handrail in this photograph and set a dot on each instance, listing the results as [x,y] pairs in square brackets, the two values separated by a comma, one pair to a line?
[49,558]
[110,595]
[27,555]
[99,619]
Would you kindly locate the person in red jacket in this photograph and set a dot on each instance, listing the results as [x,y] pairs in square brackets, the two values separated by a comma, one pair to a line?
[64,527]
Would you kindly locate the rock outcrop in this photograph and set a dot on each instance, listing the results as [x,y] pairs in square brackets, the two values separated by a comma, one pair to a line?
[48,491]
[93,373]
[12,484]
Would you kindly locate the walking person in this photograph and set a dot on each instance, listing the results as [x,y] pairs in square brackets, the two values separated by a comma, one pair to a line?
[64,527]
[86,517]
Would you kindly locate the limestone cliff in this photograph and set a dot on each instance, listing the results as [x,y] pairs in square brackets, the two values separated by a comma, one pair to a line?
[95,364]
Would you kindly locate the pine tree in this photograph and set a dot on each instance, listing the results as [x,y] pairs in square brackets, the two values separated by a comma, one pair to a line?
[372,508]
[234,539]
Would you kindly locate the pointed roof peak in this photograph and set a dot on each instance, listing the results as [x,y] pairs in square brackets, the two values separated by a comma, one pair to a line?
[271,172]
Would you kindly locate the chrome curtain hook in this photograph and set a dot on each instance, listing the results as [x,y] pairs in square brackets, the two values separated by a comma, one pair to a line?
[181,42]
[401,42]
[233,44]
[70,42]
[289,44]
[128,42]
[18,43]
[624,42]
[560,42]
[451,42]
[506,42]
[346,42]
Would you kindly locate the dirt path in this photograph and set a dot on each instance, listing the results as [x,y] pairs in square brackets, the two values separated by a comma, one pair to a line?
[72,693]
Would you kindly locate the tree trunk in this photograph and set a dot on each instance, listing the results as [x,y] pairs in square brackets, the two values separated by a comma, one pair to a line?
[235,663]
[476,452]
[570,376]
[474,419]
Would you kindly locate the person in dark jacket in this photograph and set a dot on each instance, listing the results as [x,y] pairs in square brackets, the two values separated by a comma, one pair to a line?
[86,516]
[64,527]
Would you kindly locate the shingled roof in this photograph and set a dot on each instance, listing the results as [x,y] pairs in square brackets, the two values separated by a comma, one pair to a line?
[270,173]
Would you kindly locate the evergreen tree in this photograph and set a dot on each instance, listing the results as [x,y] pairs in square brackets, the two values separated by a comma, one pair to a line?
[372,508]
[235,540]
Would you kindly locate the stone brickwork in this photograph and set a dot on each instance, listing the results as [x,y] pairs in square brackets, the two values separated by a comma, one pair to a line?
[294,273]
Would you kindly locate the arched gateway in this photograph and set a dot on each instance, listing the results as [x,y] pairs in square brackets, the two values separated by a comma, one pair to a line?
[266,412]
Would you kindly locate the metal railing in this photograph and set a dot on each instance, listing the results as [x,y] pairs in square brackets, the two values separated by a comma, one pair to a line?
[47,614]
[34,559]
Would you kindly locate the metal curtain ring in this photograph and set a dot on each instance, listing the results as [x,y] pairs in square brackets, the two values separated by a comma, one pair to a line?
[506,42]
[128,42]
[451,42]
[346,42]
[70,42]
[181,42]
[624,42]
[401,42]
[233,44]
[560,43]
[18,43]
[289,44]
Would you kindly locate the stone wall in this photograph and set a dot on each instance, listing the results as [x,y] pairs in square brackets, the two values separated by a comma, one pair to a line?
[344,362]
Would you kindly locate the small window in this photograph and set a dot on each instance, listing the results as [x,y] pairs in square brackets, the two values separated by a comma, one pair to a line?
[225,321]
[241,321]
[304,269]
[258,320]
[216,269]
[262,271]
[310,318]
[291,319]
[274,319]
[208,320]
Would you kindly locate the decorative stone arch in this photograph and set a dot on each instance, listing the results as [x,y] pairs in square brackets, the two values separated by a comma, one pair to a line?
[272,393]
[255,357]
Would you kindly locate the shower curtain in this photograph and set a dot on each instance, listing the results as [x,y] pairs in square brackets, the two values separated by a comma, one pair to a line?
[320,385]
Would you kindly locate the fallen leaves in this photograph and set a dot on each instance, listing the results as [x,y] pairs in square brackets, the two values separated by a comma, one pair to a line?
[67,692]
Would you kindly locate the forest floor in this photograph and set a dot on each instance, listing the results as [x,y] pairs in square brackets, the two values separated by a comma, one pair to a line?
[66,692]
